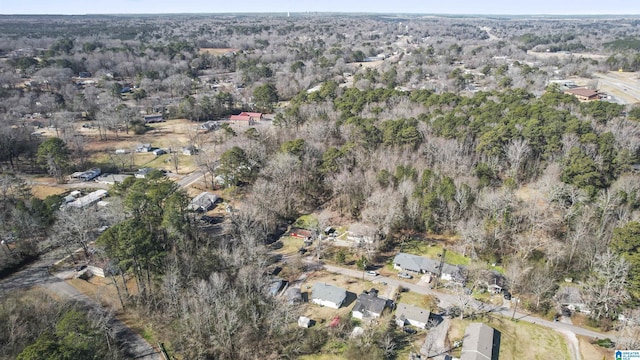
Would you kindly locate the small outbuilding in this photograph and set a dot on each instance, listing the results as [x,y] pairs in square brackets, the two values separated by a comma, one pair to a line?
[304,322]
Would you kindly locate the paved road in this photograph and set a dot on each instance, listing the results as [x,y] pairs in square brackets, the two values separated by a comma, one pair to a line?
[37,274]
[448,300]
[190,179]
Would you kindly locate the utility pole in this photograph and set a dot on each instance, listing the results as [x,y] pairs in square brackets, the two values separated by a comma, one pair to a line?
[444,252]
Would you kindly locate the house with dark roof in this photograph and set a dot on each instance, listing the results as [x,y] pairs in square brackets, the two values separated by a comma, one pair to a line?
[328,295]
[412,315]
[480,342]
[369,306]
[205,201]
[153,118]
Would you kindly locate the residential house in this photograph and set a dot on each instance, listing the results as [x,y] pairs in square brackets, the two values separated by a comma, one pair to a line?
[208,126]
[89,199]
[415,264]
[584,94]
[328,295]
[453,273]
[412,315]
[153,118]
[300,233]
[247,116]
[275,286]
[111,178]
[189,150]
[571,298]
[143,148]
[86,175]
[205,201]
[422,265]
[369,306]
[142,173]
[480,342]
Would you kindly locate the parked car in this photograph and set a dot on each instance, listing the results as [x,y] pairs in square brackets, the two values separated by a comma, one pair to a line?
[158,152]
[409,330]
[405,275]
[372,273]
[507,295]
[80,267]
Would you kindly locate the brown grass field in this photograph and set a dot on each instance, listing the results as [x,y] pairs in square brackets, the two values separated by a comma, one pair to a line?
[217,51]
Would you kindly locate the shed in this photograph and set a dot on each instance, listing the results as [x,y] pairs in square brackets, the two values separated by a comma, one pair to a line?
[294,295]
[304,322]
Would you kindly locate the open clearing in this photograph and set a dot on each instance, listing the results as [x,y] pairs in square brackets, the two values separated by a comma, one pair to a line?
[541,342]
[217,51]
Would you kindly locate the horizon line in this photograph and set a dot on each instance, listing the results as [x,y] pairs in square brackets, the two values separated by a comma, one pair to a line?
[322,12]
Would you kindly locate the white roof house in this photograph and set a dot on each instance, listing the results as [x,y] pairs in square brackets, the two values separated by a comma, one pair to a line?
[89,199]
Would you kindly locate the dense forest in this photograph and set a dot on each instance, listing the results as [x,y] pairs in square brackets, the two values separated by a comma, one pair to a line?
[417,127]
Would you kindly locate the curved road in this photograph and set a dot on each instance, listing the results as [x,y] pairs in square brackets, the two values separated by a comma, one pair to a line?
[37,274]
[447,300]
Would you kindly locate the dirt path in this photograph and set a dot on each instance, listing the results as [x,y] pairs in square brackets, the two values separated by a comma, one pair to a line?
[573,344]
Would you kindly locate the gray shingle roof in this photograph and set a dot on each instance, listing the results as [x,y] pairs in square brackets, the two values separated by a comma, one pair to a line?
[328,292]
[410,312]
[416,263]
[369,304]
[478,342]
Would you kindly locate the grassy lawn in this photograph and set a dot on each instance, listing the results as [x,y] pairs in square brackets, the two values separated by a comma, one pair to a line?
[290,245]
[306,222]
[419,300]
[422,248]
[519,340]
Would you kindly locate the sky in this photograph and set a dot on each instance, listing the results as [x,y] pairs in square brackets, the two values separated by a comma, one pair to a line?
[495,7]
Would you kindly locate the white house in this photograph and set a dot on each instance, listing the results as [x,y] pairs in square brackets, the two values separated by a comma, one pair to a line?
[328,295]
[369,305]
[411,315]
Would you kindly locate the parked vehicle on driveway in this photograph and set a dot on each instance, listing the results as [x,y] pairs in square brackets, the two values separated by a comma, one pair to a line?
[372,273]
[409,330]
[405,275]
